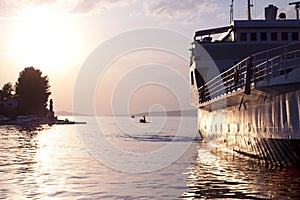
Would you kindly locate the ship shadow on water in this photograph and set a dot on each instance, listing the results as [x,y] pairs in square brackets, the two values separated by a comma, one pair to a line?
[218,174]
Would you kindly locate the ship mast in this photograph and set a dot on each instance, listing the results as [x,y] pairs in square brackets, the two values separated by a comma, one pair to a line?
[297,7]
[249,9]
[231,12]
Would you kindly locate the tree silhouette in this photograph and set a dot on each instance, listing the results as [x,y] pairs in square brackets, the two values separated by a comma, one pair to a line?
[6,91]
[32,92]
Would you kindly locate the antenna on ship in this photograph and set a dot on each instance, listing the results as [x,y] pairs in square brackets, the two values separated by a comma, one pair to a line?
[249,9]
[231,12]
[297,7]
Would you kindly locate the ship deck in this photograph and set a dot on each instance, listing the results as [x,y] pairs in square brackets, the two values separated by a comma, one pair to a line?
[265,74]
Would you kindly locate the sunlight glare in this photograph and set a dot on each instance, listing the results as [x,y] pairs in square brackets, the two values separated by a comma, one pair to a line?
[43,39]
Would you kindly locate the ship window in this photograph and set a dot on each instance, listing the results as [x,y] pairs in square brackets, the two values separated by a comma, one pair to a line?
[253,37]
[243,36]
[284,36]
[274,36]
[295,36]
[192,78]
[263,36]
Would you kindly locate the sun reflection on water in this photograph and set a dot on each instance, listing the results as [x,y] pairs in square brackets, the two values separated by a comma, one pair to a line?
[45,157]
[31,160]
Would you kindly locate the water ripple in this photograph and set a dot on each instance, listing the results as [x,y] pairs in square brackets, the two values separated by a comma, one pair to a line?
[219,175]
[51,162]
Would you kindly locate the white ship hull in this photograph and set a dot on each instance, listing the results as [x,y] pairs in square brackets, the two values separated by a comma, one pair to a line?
[262,127]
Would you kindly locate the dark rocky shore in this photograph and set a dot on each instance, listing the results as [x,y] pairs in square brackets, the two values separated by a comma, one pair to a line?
[32,120]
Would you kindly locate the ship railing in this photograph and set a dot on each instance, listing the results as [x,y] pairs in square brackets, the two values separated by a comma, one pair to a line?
[262,66]
[276,62]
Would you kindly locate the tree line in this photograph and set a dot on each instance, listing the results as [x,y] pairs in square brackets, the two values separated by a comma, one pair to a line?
[31,92]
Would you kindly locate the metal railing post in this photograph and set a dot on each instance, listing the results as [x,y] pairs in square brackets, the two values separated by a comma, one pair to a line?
[284,63]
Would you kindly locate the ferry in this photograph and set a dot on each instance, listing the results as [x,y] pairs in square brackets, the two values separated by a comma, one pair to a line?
[245,82]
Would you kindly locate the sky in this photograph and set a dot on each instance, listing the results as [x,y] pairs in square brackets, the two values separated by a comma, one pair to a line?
[59,36]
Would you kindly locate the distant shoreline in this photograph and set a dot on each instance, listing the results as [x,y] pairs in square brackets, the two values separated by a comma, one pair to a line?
[35,121]
[175,113]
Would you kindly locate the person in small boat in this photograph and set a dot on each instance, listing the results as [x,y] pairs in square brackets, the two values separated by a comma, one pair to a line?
[143,120]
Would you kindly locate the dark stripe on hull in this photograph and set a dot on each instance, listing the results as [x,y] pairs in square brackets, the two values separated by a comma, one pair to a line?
[274,152]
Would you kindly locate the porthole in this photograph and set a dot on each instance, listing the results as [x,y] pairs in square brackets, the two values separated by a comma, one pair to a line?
[295,36]
[263,36]
[274,36]
[284,36]
[253,36]
[243,36]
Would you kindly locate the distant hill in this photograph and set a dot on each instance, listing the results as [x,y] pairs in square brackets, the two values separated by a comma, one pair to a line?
[66,113]
[170,113]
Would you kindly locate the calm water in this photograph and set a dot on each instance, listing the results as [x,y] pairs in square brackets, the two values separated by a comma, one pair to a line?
[56,162]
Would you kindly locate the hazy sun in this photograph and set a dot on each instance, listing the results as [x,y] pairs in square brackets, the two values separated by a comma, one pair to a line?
[43,39]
